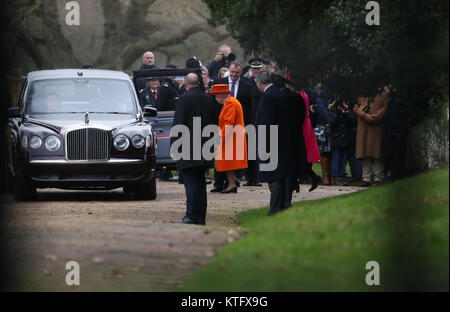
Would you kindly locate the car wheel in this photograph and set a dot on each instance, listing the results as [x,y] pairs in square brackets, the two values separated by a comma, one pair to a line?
[146,191]
[23,189]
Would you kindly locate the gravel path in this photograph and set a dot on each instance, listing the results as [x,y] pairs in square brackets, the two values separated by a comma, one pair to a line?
[122,244]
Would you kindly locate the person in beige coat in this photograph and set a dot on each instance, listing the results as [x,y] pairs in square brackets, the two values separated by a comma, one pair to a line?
[369,135]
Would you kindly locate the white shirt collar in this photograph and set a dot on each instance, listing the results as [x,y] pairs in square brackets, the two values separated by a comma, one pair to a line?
[268,87]
[231,81]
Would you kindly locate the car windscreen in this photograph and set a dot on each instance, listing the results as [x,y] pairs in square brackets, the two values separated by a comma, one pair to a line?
[80,95]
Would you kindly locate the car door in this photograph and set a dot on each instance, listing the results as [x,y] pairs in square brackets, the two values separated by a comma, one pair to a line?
[162,125]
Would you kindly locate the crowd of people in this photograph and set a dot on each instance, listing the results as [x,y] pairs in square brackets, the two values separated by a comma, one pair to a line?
[313,127]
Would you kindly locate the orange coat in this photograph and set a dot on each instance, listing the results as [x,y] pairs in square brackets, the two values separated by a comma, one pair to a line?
[231,152]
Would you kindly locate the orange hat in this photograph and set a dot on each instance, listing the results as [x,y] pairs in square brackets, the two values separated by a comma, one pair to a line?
[219,89]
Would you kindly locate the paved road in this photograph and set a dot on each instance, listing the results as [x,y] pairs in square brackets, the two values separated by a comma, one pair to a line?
[122,244]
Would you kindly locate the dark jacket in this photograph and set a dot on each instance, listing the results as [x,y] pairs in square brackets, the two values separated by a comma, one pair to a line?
[194,103]
[296,111]
[343,128]
[168,94]
[395,128]
[274,110]
[322,115]
[147,97]
[214,68]
[256,97]
[244,96]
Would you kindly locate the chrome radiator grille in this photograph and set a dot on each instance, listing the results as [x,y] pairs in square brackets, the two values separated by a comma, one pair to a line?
[88,144]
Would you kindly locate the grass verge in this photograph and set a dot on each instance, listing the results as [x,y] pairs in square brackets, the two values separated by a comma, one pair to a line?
[324,245]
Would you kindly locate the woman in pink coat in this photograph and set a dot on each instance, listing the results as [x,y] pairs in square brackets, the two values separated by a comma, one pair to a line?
[312,150]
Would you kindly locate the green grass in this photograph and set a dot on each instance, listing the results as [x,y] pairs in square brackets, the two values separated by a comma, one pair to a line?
[324,245]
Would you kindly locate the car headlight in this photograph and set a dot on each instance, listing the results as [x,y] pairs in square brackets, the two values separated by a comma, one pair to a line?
[52,143]
[138,141]
[121,142]
[24,141]
[35,142]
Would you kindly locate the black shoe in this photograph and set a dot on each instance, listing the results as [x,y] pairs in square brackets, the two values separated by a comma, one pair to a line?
[208,181]
[187,220]
[238,184]
[315,183]
[216,190]
[232,190]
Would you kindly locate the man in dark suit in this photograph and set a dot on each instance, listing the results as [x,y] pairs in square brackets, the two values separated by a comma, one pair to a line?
[194,103]
[274,110]
[297,113]
[242,90]
[149,95]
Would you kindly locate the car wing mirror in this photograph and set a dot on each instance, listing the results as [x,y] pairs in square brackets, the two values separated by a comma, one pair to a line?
[150,111]
[14,112]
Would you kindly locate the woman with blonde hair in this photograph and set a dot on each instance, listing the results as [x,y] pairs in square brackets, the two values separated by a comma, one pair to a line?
[224,72]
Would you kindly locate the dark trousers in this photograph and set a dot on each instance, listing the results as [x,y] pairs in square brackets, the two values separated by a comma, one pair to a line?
[252,173]
[281,194]
[195,186]
[220,179]
[338,162]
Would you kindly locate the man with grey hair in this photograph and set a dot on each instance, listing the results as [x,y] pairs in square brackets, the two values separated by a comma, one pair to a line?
[222,59]
[274,110]
[193,104]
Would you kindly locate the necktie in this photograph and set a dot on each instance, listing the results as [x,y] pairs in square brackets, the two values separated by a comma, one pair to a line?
[233,85]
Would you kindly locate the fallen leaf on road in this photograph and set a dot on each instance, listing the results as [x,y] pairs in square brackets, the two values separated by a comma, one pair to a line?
[97,260]
[51,257]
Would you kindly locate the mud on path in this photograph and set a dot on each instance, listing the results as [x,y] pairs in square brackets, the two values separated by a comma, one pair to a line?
[122,244]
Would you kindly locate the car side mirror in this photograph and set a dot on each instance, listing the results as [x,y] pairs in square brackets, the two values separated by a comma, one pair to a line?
[14,112]
[150,111]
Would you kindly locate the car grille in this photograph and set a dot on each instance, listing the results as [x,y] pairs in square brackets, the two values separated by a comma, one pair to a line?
[88,144]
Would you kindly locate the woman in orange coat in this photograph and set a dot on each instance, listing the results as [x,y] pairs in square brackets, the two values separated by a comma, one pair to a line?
[231,152]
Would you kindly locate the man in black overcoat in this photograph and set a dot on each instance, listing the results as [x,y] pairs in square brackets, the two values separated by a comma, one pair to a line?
[194,103]
[274,110]
[296,112]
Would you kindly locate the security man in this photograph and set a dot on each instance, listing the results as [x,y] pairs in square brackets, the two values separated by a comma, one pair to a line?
[149,95]
[168,92]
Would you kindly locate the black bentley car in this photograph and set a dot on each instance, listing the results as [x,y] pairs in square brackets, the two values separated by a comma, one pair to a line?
[81,129]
